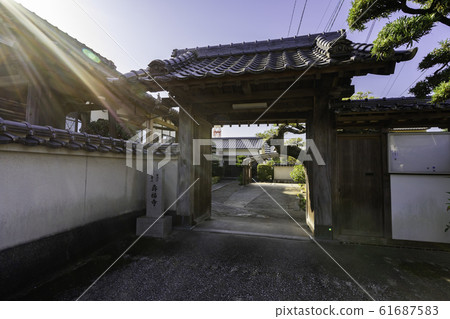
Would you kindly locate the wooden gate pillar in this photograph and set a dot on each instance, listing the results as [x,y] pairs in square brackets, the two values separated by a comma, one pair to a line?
[309,173]
[204,170]
[323,133]
[195,204]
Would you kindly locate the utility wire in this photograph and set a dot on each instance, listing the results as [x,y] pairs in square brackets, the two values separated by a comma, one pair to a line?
[413,82]
[301,18]
[370,31]
[336,15]
[323,15]
[387,84]
[331,17]
[401,69]
[292,17]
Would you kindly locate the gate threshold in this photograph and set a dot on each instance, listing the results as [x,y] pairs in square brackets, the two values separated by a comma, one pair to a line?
[258,227]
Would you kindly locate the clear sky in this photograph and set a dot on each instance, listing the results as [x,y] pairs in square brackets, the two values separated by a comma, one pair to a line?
[134,32]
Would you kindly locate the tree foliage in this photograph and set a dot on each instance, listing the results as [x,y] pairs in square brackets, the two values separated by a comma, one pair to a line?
[265,172]
[359,96]
[277,133]
[298,174]
[422,16]
[268,133]
[101,127]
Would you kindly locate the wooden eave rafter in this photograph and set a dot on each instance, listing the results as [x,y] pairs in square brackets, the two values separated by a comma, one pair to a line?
[343,70]
[394,119]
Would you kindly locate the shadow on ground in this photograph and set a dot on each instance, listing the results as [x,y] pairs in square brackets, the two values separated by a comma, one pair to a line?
[220,265]
[206,266]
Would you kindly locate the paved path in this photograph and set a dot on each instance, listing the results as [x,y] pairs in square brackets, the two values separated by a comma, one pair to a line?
[244,196]
[233,199]
[249,210]
[221,184]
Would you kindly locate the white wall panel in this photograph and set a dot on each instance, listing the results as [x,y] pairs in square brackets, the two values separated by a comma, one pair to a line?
[419,209]
[419,153]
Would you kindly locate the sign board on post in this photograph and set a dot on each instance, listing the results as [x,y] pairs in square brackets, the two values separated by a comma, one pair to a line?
[154,200]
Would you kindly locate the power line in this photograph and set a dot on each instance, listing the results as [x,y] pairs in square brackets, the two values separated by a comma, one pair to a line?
[310,66]
[413,82]
[401,69]
[387,84]
[337,13]
[333,16]
[292,17]
[301,18]
[370,31]
[323,15]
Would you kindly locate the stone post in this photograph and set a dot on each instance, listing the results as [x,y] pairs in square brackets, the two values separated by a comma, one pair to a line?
[160,226]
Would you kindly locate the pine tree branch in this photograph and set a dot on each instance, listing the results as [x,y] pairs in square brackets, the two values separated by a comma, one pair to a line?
[439,17]
[292,150]
[410,10]
[443,20]
[440,69]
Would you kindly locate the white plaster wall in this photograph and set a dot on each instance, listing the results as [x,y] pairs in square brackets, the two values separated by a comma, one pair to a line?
[240,151]
[282,172]
[99,114]
[44,192]
[419,209]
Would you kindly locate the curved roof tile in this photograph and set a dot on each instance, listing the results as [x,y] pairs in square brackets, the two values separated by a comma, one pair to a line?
[295,53]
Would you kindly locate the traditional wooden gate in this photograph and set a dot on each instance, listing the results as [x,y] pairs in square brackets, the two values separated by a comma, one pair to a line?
[274,81]
[359,200]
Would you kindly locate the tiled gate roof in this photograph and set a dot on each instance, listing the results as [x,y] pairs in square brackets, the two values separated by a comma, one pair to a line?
[295,53]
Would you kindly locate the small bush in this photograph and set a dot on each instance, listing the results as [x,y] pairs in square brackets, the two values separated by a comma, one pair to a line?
[302,201]
[240,179]
[298,174]
[240,159]
[264,172]
[215,179]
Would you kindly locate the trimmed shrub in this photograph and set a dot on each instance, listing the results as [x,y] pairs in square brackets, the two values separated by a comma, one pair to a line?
[298,174]
[240,159]
[264,172]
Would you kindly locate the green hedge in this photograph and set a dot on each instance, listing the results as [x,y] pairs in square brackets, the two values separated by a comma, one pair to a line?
[298,174]
[264,172]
